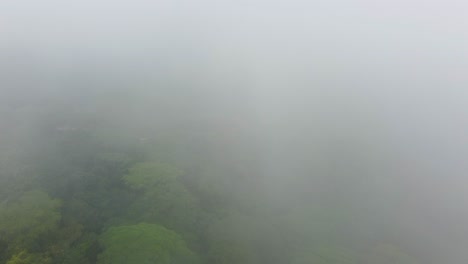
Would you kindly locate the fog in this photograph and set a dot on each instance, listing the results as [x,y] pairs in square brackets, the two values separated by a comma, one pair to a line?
[289,106]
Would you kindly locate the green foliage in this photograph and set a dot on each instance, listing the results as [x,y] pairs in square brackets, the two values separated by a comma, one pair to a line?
[212,207]
[34,213]
[58,241]
[242,238]
[148,175]
[24,257]
[232,240]
[164,199]
[144,244]
[314,226]
[83,252]
[114,158]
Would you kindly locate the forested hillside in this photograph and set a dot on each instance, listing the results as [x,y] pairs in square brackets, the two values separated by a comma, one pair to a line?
[233,132]
[76,188]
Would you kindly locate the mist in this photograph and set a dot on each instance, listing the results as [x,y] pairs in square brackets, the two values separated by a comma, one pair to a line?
[307,131]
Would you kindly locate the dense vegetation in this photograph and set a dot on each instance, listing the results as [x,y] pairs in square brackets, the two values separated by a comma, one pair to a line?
[82,191]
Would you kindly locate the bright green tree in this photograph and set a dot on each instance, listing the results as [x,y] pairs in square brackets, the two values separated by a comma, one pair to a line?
[144,244]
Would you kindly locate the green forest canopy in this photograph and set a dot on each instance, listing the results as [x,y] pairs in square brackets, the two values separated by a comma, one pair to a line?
[78,198]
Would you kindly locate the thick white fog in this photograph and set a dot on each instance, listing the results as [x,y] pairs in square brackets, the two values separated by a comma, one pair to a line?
[358,105]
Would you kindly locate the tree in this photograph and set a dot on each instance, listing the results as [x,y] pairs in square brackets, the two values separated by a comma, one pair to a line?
[144,244]
[84,251]
[246,239]
[164,198]
[25,257]
[32,215]
[148,175]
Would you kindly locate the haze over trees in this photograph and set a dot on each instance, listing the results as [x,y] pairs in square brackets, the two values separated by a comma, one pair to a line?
[216,132]
[87,193]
